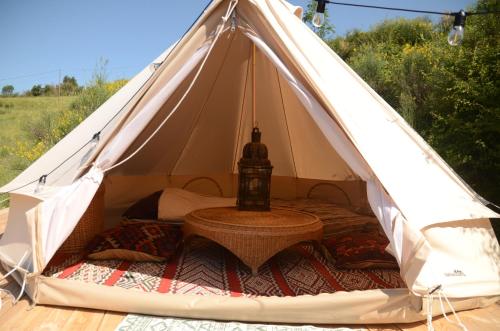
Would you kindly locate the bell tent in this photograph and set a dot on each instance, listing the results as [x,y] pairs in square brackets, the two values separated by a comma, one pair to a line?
[183,121]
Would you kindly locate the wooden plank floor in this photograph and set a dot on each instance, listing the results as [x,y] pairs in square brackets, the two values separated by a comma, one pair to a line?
[23,316]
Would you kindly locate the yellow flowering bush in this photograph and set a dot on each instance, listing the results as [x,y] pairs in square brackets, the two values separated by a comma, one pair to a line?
[45,131]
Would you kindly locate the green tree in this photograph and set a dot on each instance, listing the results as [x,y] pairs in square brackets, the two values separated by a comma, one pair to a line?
[463,103]
[69,86]
[48,90]
[7,90]
[36,90]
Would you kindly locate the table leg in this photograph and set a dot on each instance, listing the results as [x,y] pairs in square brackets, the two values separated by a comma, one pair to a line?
[317,246]
[185,244]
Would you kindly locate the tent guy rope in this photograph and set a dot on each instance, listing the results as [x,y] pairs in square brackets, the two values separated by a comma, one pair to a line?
[23,285]
[254,120]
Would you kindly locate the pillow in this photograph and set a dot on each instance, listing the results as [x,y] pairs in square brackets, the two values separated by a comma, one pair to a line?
[360,250]
[176,203]
[151,242]
[146,208]
[126,221]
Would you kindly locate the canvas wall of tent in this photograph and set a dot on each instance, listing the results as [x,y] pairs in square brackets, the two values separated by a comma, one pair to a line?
[182,123]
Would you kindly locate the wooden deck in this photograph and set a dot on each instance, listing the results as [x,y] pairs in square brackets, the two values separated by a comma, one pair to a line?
[51,318]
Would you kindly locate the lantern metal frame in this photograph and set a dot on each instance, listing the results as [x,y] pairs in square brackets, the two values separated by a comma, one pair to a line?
[254,176]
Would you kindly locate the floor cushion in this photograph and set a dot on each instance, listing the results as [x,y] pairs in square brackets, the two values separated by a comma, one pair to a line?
[360,250]
[136,242]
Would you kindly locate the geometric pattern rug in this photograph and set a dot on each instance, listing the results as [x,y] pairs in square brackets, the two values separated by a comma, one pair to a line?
[134,322]
[209,269]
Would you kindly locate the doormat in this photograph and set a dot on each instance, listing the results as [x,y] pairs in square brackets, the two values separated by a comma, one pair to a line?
[134,322]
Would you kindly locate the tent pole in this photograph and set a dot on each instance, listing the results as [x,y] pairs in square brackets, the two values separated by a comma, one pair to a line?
[254,122]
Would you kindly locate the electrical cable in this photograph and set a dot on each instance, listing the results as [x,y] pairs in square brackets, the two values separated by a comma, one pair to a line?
[408,10]
[45,73]
[29,75]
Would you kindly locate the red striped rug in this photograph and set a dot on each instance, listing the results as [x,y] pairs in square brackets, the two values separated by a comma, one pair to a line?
[209,269]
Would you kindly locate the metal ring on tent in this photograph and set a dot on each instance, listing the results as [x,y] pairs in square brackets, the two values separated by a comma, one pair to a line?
[332,185]
[204,178]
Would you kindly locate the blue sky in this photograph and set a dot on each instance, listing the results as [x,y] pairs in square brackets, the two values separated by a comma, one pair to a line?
[39,38]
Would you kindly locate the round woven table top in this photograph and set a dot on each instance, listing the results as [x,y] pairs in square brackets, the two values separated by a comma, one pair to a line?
[253,236]
[232,218]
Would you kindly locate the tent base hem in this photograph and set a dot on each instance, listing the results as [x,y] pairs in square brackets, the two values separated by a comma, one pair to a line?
[356,307]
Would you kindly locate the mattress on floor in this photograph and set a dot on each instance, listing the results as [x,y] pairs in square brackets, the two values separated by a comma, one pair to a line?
[209,269]
[337,219]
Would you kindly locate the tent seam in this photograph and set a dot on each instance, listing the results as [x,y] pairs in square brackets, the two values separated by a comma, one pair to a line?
[286,123]
[242,111]
[203,107]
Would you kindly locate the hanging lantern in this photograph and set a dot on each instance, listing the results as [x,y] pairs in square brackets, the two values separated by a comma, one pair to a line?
[254,176]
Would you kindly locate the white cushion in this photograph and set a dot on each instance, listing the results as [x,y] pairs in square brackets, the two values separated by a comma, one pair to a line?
[175,203]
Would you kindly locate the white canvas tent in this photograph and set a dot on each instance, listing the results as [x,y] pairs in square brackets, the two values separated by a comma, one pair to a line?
[188,115]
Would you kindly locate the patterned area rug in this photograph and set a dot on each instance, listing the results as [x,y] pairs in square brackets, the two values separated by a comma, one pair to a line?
[209,269]
[151,323]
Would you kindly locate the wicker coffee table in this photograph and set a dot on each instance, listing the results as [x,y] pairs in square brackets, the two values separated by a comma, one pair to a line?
[252,236]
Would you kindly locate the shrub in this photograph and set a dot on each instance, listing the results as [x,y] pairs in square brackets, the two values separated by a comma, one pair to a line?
[94,95]
[90,99]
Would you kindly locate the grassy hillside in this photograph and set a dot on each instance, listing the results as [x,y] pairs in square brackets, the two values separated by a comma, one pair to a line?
[16,115]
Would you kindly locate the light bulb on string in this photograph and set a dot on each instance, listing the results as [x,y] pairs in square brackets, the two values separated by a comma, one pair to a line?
[456,35]
[318,20]
[92,145]
[319,17]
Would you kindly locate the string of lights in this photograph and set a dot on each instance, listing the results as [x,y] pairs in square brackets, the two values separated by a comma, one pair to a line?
[455,36]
